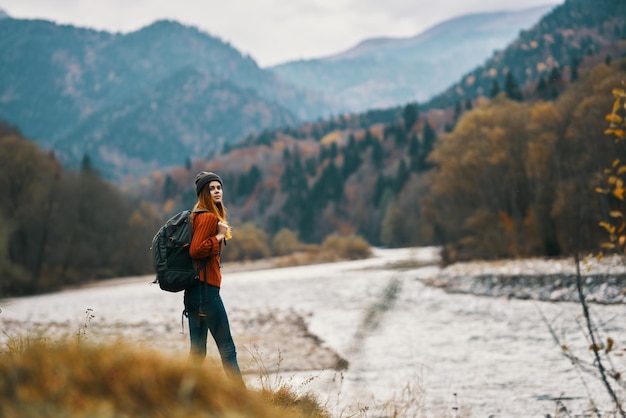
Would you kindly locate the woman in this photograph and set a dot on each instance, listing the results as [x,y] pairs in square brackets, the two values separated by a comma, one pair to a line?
[203,304]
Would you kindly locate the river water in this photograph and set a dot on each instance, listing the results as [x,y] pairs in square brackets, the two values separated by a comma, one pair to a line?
[429,353]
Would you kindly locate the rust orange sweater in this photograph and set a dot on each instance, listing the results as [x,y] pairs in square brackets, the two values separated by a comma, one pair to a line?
[204,245]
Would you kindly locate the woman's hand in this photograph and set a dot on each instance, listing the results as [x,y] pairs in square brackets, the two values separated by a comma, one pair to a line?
[222,229]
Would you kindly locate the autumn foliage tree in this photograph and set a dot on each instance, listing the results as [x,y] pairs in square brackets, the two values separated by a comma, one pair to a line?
[614,177]
[481,191]
[514,179]
[59,228]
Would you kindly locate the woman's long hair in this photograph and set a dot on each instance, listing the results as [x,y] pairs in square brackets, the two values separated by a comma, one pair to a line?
[205,202]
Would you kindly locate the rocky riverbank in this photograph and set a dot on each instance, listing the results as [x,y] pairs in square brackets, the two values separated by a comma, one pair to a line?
[538,279]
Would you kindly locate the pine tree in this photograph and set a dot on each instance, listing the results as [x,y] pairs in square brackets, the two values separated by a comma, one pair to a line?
[542,88]
[86,166]
[379,187]
[328,188]
[400,137]
[368,141]
[248,181]
[310,166]
[495,89]
[428,142]
[414,154]
[378,154]
[286,155]
[169,188]
[555,75]
[410,116]
[351,158]
[402,175]
[511,88]
[333,152]
[457,111]
[575,62]
[414,146]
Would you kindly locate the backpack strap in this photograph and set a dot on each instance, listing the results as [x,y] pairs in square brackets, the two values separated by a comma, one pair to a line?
[206,260]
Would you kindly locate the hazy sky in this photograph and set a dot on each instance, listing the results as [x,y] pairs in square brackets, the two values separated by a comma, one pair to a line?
[271,31]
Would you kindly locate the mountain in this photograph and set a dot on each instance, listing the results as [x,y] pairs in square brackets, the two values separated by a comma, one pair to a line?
[191,113]
[3,14]
[372,173]
[82,91]
[386,72]
[546,55]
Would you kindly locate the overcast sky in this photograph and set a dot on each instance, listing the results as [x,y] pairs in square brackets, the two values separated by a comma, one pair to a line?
[271,31]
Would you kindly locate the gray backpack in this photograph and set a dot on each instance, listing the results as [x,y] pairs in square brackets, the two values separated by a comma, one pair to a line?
[174,266]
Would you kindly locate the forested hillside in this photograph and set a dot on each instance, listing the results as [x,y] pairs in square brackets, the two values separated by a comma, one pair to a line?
[114,96]
[509,179]
[384,72]
[508,176]
[544,57]
[59,228]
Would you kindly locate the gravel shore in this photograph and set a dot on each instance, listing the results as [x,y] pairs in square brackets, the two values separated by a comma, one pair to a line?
[604,279]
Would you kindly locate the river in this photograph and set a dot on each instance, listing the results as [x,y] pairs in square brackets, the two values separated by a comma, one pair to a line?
[432,353]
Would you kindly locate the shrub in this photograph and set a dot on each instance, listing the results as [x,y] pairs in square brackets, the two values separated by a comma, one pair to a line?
[248,243]
[286,242]
[78,380]
[350,247]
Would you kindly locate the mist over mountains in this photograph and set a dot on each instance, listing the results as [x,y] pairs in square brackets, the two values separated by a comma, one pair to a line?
[168,93]
[385,72]
[82,91]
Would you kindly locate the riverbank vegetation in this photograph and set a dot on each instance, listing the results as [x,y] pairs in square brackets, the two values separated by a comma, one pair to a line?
[499,178]
[40,378]
[61,228]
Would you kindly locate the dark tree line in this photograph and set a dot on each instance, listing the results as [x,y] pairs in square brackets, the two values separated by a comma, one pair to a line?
[60,228]
[315,192]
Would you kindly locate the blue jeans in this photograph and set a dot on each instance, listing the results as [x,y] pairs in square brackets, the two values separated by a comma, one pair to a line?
[206,312]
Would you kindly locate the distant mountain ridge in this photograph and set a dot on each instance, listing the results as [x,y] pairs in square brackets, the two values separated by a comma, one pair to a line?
[549,52]
[385,72]
[166,93]
[491,24]
[81,91]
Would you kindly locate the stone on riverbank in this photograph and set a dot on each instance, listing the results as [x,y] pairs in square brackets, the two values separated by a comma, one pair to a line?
[537,279]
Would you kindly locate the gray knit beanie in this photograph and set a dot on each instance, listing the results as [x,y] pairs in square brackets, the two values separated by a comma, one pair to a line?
[205,177]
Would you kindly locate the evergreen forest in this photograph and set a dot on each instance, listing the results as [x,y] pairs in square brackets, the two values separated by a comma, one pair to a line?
[507,163]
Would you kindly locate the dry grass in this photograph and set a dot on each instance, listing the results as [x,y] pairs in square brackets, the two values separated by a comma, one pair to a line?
[334,248]
[40,378]
[74,379]
[350,247]
[403,265]
[250,249]
[304,258]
